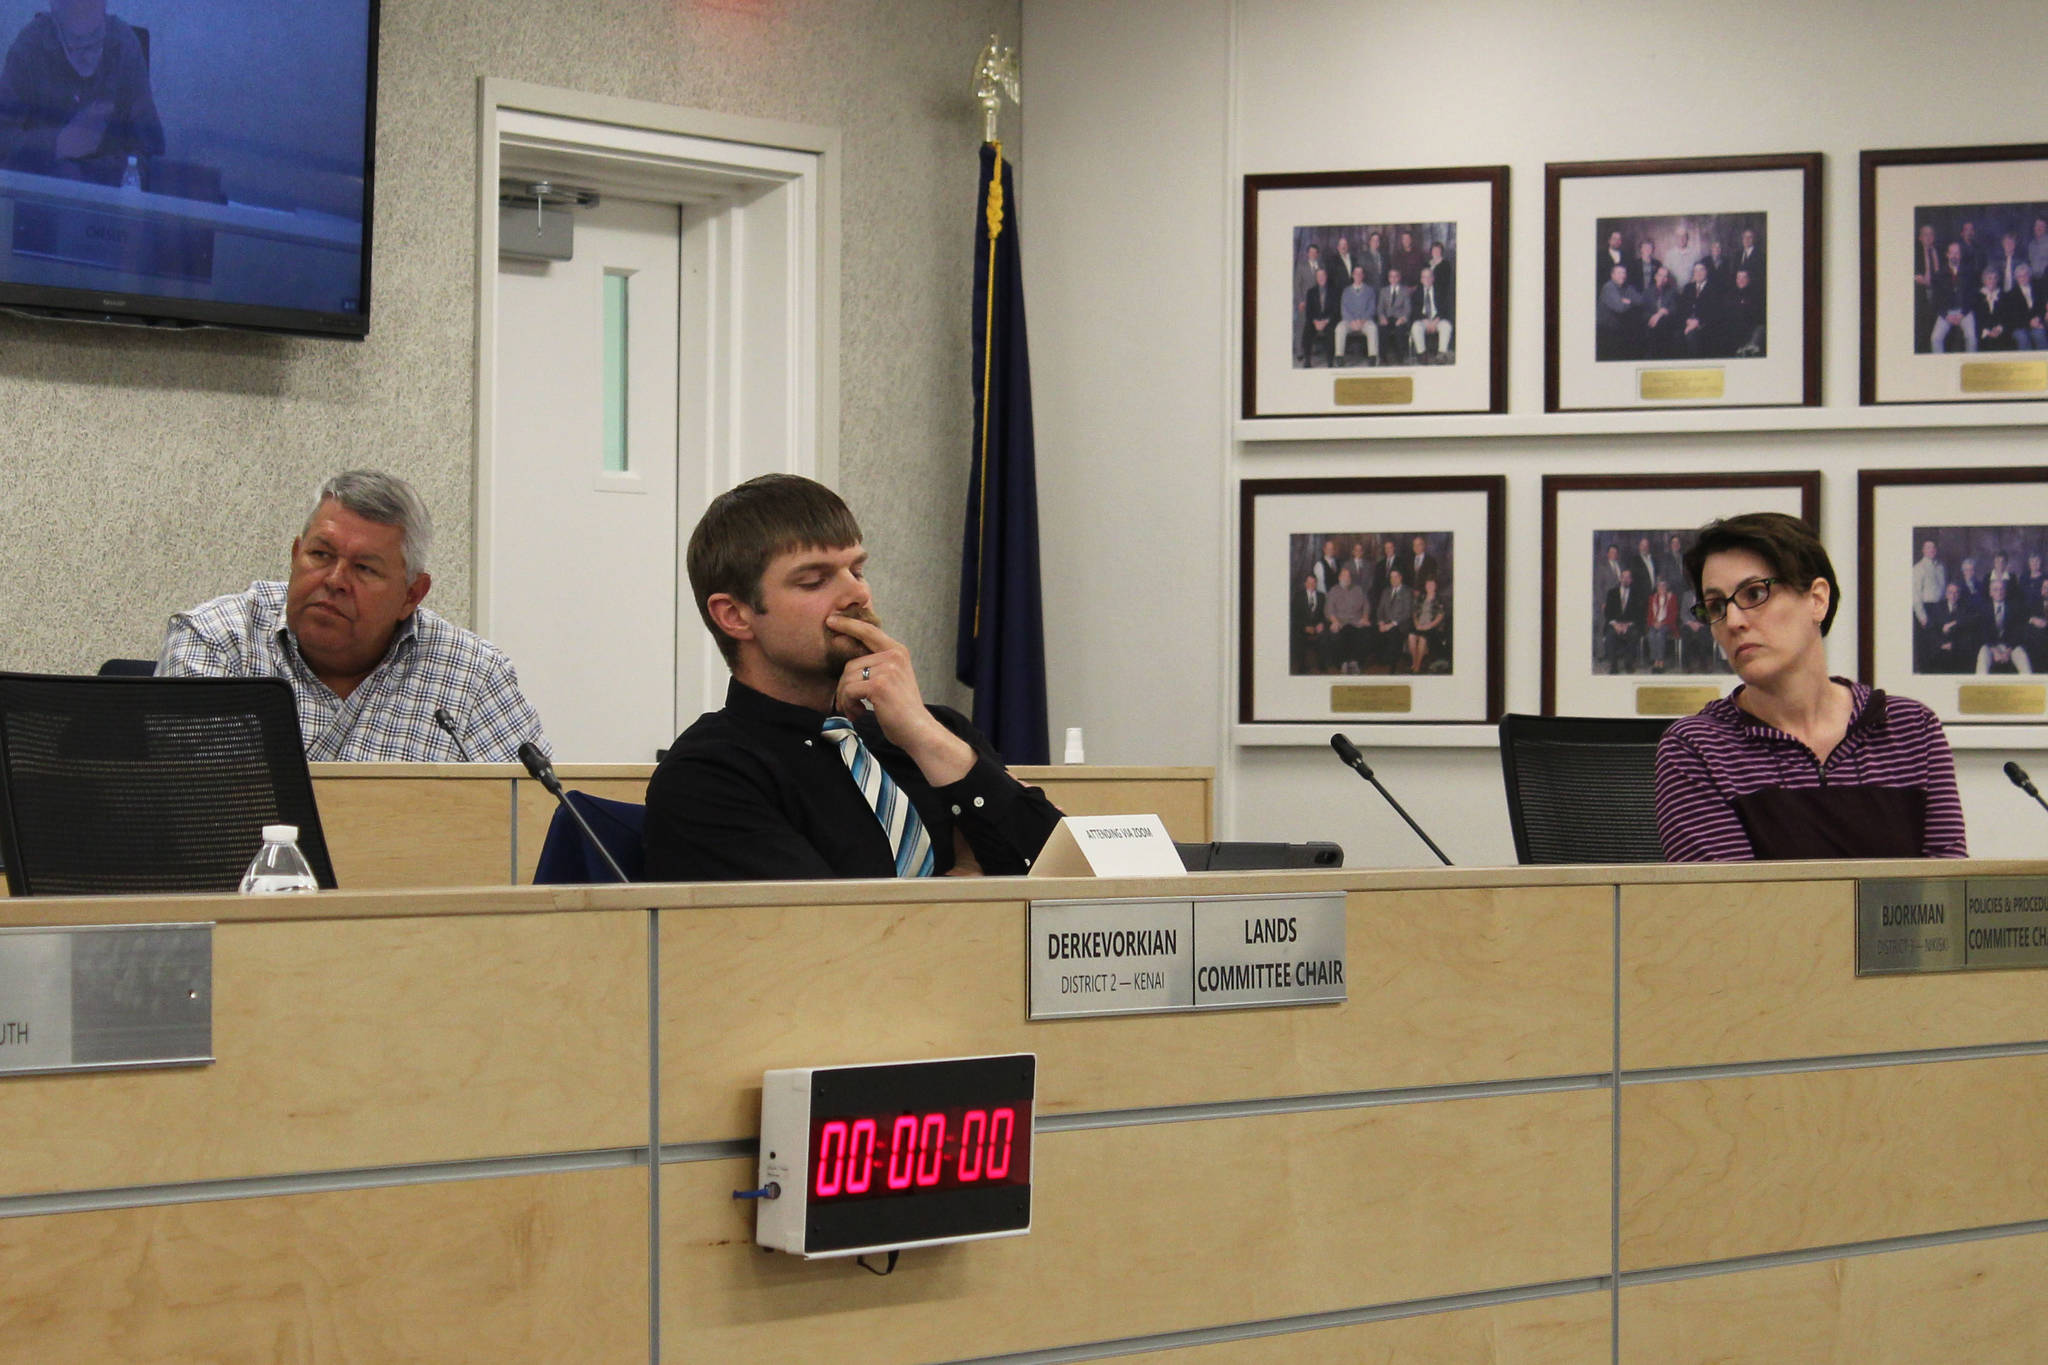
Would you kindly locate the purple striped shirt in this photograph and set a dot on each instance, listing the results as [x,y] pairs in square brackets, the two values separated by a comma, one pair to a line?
[1708,761]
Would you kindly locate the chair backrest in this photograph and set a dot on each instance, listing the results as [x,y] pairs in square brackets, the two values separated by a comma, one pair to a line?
[125,785]
[566,857]
[1582,789]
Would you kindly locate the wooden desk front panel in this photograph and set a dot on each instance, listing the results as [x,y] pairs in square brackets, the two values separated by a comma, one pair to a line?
[1976,1302]
[363,1043]
[1446,987]
[529,1268]
[1724,973]
[1569,1330]
[1171,1226]
[386,832]
[1750,1165]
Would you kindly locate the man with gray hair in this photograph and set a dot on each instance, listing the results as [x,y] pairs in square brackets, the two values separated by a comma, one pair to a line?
[379,678]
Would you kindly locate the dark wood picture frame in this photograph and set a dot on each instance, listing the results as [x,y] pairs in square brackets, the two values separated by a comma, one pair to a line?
[1495,359]
[1868,627]
[1490,488]
[1871,165]
[1555,174]
[1806,482]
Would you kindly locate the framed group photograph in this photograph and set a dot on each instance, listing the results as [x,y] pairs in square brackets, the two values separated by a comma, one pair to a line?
[1619,636]
[1371,600]
[1952,598]
[1955,244]
[1682,283]
[1375,292]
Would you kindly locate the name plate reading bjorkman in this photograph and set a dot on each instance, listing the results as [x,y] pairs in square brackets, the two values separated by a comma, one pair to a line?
[1951,924]
[95,997]
[1145,956]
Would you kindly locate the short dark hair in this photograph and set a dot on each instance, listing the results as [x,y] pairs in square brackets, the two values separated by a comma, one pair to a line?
[746,527]
[1788,544]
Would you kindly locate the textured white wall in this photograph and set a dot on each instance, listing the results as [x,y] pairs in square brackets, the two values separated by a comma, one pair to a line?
[143,473]
[1164,104]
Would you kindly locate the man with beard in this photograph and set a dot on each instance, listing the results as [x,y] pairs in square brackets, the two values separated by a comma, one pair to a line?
[825,761]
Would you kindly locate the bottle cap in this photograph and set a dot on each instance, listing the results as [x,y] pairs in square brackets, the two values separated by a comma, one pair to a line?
[280,834]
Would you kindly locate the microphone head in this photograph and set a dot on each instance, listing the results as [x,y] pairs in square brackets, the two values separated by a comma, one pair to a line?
[537,765]
[1348,751]
[2017,775]
[443,719]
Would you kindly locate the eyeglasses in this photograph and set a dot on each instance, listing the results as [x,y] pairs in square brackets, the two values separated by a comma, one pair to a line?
[1749,597]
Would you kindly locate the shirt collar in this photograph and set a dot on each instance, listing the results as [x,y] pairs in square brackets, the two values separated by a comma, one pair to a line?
[745,702]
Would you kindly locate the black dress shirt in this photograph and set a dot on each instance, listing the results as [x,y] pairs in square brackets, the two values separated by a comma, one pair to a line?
[755,792]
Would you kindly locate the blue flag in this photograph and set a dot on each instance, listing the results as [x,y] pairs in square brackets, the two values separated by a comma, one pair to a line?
[1001,652]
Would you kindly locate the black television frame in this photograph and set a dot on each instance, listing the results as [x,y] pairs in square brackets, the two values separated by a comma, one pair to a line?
[162,311]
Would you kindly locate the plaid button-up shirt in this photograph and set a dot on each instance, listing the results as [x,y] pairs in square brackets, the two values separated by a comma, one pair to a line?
[390,716]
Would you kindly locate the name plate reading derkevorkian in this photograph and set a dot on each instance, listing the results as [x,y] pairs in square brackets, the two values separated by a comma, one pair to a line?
[1102,957]
[1951,924]
[95,997]
[1111,957]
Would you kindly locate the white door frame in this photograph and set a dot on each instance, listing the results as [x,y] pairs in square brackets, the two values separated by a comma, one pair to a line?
[670,154]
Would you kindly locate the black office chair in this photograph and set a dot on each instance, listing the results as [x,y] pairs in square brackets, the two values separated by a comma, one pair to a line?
[122,785]
[1582,789]
[127,668]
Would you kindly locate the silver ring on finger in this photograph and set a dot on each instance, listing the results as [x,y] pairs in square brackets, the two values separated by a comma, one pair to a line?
[865,672]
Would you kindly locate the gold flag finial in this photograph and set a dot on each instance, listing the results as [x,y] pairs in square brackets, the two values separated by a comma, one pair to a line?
[995,75]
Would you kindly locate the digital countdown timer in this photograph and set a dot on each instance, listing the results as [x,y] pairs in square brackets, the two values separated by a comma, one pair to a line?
[904,1154]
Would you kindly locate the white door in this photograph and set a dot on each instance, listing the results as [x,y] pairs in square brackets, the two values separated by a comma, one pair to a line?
[583,554]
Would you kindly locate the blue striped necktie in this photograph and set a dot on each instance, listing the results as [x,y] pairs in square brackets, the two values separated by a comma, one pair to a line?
[900,821]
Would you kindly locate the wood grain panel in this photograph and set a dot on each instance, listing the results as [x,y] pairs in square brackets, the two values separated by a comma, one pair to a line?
[1163,1227]
[1972,1301]
[533,1268]
[537,808]
[386,832]
[1747,1165]
[1445,987]
[1182,805]
[1572,1330]
[364,1043]
[1766,971]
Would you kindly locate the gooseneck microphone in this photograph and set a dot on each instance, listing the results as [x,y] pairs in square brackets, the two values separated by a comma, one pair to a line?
[447,722]
[2019,779]
[1348,751]
[543,772]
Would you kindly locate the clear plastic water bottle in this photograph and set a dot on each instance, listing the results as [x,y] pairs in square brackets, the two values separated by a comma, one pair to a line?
[278,865]
[131,176]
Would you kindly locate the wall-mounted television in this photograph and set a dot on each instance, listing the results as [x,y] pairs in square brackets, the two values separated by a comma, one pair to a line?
[189,163]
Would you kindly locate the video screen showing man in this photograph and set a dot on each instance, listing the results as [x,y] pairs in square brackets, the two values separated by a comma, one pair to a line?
[825,760]
[373,670]
[75,97]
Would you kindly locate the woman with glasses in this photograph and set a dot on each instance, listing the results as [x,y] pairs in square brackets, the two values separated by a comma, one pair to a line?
[1795,763]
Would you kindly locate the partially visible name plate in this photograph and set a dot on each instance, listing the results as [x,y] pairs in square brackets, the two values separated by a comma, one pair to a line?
[2005,376]
[1665,385]
[2006,922]
[2002,699]
[1362,699]
[1947,924]
[1380,390]
[95,997]
[1674,701]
